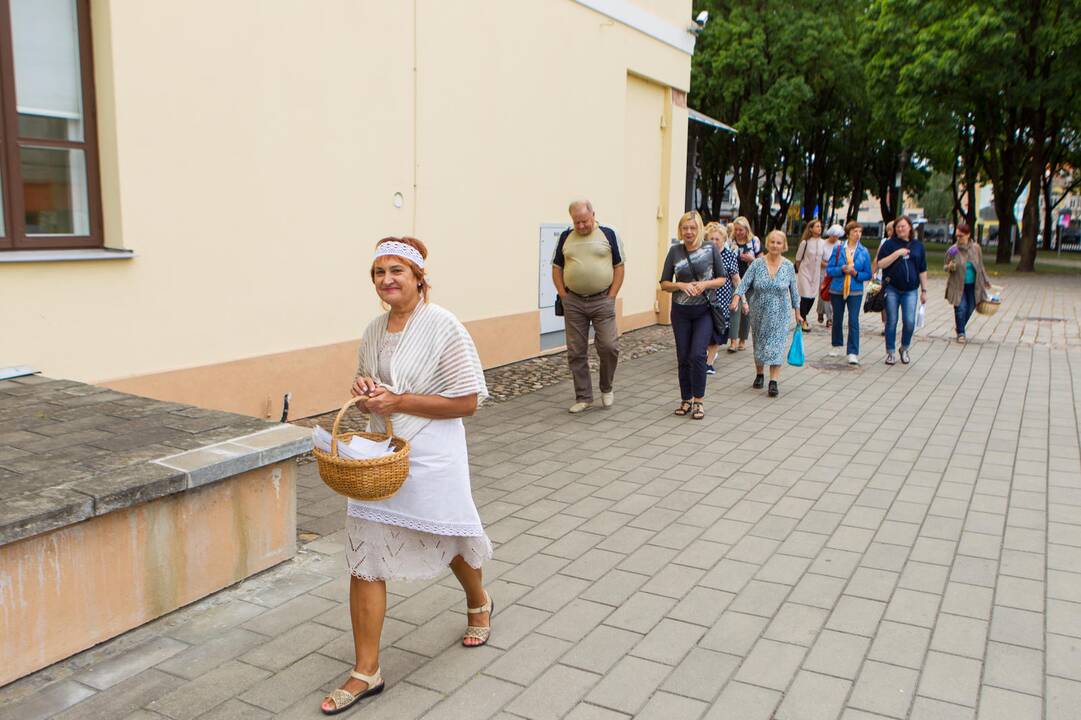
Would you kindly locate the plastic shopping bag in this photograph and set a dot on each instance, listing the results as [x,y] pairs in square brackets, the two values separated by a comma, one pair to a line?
[921,316]
[795,352]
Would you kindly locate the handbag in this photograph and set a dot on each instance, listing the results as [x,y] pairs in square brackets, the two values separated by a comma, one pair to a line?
[824,290]
[720,322]
[795,350]
[874,299]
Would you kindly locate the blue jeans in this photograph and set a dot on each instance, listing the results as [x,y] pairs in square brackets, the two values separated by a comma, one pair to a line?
[853,305]
[907,301]
[965,308]
[692,326]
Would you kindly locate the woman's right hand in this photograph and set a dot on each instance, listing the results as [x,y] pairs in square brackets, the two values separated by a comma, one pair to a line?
[734,304]
[903,252]
[364,386]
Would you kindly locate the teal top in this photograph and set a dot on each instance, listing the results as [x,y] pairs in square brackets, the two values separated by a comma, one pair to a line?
[970,273]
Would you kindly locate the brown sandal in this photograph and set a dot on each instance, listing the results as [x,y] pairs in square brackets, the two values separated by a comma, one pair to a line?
[684,408]
[476,632]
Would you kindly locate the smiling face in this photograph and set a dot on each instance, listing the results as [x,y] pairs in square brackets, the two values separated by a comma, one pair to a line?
[902,228]
[688,231]
[395,282]
[775,244]
[740,233]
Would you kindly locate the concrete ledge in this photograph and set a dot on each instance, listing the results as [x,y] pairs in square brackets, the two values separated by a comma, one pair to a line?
[68,589]
[214,462]
[70,451]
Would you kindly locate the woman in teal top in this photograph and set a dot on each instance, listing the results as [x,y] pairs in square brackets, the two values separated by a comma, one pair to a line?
[968,283]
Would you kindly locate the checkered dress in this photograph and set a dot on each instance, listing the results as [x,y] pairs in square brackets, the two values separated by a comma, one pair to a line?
[724,293]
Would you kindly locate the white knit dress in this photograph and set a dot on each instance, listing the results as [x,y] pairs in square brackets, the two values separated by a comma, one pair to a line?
[414,534]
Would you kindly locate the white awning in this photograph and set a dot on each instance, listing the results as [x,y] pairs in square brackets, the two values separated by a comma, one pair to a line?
[707,120]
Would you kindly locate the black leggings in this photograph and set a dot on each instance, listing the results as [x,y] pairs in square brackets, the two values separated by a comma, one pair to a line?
[805,305]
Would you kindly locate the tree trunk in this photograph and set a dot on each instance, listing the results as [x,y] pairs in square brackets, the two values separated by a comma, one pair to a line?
[1006,221]
[1029,224]
[1048,221]
[1032,204]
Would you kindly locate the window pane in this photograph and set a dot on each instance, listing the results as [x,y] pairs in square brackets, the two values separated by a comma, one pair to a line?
[48,88]
[54,191]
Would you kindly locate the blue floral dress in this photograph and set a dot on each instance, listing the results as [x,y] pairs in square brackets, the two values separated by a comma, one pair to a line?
[772,302]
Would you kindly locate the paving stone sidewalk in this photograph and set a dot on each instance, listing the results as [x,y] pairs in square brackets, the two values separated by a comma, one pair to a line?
[882,542]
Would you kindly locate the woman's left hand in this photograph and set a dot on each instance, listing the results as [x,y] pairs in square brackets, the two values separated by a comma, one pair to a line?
[383,402]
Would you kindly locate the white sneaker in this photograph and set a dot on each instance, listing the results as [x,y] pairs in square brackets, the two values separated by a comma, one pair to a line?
[579,407]
[853,359]
[608,399]
[835,352]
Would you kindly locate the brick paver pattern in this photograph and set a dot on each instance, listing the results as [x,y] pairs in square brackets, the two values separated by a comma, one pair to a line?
[876,543]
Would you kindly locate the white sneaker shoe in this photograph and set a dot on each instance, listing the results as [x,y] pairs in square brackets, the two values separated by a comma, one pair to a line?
[853,359]
[835,352]
[608,399]
[579,407]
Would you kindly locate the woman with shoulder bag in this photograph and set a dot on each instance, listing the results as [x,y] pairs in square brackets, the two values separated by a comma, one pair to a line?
[809,257]
[849,268]
[825,306]
[418,366]
[692,271]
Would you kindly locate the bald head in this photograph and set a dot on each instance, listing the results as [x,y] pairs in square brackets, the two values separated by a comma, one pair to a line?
[581,212]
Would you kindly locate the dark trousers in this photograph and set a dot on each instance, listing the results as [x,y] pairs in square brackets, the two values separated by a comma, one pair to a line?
[963,312]
[692,326]
[805,305]
[853,306]
[578,314]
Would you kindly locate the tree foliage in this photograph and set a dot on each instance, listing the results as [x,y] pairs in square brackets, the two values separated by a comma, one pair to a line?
[837,98]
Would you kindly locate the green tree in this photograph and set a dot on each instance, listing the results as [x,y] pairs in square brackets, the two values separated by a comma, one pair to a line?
[938,200]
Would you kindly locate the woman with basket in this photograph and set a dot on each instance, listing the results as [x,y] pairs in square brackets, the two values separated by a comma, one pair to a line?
[968,282]
[418,376]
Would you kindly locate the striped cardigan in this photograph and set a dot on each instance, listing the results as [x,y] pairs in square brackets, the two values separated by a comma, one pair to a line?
[435,356]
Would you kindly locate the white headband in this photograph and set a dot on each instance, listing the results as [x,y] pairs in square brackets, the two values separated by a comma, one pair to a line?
[401,250]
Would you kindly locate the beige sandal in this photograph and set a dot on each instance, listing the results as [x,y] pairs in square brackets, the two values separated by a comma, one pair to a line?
[343,699]
[475,632]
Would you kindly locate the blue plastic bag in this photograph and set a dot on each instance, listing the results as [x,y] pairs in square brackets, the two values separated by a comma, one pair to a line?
[795,352]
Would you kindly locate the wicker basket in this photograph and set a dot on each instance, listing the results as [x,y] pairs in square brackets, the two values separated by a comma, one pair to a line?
[987,307]
[368,480]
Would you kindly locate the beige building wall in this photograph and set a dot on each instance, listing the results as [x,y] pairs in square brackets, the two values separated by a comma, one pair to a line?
[251,156]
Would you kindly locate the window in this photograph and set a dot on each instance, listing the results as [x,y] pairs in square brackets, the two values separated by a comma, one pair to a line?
[49,191]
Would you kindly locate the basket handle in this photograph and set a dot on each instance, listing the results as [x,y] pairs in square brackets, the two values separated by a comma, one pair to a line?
[338,421]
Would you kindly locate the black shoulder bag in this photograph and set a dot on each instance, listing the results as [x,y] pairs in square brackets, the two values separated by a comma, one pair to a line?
[720,322]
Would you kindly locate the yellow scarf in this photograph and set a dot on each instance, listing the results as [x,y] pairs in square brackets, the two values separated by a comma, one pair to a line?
[850,255]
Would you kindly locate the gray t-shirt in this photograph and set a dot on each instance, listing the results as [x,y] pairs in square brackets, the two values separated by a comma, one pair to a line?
[707,263]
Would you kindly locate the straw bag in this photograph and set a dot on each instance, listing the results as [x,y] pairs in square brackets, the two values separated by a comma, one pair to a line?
[990,307]
[375,479]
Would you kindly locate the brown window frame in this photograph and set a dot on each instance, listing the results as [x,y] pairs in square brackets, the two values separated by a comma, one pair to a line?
[15,237]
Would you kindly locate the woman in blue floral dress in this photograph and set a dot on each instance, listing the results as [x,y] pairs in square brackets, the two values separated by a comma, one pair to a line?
[774,304]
